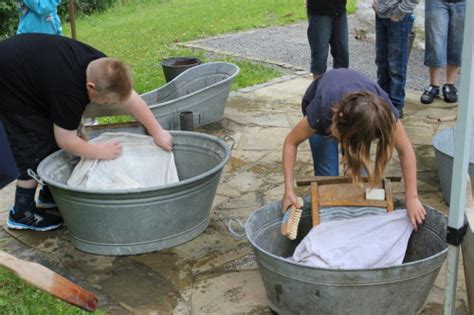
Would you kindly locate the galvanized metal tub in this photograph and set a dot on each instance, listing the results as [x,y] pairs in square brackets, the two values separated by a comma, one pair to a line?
[297,289]
[135,221]
[202,89]
[443,143]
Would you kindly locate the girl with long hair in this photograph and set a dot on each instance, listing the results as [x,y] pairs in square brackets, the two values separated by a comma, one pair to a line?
[344,107]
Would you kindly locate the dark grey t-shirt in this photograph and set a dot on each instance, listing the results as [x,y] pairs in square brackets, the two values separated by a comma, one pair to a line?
[329,89]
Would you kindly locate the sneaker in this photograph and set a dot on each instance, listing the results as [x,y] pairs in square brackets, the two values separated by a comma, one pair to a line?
[450,93]
[32,219]
[45,199]
[430,94]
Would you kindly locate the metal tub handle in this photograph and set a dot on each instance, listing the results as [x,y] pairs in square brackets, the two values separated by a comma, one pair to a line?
[230,142]
[241,226]
[35,176]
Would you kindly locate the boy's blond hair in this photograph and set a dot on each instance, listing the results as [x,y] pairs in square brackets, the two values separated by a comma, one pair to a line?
[359,119]
[111,77]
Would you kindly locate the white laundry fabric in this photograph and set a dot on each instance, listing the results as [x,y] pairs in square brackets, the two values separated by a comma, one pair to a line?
[375,241]
[142,164]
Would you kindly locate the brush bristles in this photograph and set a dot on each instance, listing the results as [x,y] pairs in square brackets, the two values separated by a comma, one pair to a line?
[291,220]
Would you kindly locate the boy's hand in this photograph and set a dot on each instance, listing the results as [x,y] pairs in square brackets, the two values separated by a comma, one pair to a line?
[164,140]
[416,211]
[110,150]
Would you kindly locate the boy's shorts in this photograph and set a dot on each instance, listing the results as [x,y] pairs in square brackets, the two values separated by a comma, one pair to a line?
[444,31]
[31,139]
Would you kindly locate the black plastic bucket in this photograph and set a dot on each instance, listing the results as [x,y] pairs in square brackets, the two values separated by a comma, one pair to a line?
[172,67]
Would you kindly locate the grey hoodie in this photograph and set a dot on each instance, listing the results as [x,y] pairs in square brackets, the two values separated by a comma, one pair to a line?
[389,8]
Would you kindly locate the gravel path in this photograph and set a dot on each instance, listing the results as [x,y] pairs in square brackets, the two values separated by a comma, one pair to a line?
[288,45]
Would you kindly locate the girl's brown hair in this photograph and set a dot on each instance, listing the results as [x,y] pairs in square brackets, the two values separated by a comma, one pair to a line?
[359,119]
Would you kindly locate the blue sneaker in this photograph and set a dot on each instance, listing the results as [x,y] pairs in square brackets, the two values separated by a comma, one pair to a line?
[45,199]
[33,219]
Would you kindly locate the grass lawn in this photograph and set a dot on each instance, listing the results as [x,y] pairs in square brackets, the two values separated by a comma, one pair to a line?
[142,32]
[18,297]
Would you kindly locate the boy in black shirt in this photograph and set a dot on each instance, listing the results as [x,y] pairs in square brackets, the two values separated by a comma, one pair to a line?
[46,81]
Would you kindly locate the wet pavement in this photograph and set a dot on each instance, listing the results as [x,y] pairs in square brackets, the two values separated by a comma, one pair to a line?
[215,273]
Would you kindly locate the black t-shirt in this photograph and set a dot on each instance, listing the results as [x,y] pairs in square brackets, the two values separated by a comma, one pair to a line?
[326,7]
[45,75]
[329,89]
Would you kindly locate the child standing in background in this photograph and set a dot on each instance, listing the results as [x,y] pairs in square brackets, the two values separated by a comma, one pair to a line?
[39,16]
[327,26]
[393,24]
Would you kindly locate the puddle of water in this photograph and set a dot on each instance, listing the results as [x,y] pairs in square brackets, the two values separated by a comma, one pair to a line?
[137,287]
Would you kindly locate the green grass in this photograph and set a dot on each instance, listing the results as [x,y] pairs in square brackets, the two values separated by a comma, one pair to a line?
[17,297]
[143,32]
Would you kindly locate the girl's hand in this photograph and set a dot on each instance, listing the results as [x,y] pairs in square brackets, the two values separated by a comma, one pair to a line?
[416,211]
[289,199]
[164,140]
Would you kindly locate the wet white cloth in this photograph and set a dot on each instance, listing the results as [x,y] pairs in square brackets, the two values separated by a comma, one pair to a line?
[375,241]
[142,164]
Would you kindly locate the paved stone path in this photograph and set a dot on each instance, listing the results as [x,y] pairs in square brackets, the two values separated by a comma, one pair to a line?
[214,273]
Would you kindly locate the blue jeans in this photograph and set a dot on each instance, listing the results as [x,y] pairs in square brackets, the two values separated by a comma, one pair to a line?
[444,30]
[391,48]
[322,32]
[325,155]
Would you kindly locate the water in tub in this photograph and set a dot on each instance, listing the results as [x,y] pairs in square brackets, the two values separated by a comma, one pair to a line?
[142,164]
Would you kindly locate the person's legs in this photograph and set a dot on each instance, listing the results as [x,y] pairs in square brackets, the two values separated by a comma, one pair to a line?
[319,33]
[31,140]
[340,42]
[436,28]
[381,53]
[325,155]
[454,50]
[398,33]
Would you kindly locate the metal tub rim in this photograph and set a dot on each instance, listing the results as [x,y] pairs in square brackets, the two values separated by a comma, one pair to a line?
[188,181]
[286,261]
[435,141]
[209,64]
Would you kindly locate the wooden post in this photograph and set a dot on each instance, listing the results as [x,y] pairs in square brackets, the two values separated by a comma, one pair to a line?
[72,18]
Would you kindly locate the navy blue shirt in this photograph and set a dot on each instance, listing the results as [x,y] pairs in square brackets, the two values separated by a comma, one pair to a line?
[329,89]
[8,170]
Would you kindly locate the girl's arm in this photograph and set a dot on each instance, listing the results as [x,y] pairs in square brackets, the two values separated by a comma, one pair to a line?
[416,211]
[298,134]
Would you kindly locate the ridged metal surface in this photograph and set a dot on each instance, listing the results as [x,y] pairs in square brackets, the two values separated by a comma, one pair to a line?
[443,143]
[297,289]
[202,89]
[125,222]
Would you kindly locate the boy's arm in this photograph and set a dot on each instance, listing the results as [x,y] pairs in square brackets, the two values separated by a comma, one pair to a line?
[416,211]
[136,106]
[42,7]
[404,8]
[70,142]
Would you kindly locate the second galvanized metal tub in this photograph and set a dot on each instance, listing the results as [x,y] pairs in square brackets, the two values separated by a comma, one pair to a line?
[297,289]
[202,90]
[443,143]
[135,221]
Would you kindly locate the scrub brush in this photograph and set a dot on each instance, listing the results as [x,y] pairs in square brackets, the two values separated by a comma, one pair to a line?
[291,220]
